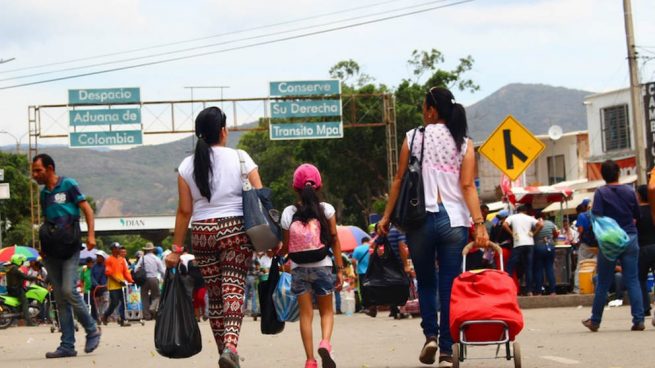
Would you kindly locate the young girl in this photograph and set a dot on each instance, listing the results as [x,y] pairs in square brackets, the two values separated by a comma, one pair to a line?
[310,227]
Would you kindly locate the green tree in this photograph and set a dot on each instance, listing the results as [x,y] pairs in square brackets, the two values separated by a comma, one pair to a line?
[16,209]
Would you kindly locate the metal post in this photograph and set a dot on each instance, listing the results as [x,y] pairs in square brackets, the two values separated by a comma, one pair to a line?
[635,94]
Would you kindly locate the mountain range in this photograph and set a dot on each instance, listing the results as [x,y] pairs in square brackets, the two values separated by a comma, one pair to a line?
[142,180]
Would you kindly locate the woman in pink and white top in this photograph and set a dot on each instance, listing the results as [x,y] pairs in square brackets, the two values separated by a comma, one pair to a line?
[451,198]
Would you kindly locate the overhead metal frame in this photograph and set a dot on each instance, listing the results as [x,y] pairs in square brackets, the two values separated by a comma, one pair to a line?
[171,124]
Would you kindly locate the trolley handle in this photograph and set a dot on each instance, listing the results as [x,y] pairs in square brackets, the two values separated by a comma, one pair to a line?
[491,244]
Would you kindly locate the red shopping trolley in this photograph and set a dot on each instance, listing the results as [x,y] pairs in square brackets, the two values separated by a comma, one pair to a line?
[484,311]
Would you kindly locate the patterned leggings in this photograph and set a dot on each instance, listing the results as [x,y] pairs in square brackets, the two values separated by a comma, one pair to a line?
[223,254]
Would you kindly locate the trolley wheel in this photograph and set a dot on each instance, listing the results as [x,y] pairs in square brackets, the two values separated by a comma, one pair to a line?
[52,329]
[457,357]
[143,323]
[77,328]
[517,355]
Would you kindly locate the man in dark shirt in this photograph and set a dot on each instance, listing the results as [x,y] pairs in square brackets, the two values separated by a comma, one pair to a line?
[618,202]
[646,232]
[62,202]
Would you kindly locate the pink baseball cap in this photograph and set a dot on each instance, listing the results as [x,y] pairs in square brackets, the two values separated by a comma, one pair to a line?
[307,174]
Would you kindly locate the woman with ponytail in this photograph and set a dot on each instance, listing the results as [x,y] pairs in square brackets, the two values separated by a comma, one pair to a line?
[210,187]
[309,230]
[451,200]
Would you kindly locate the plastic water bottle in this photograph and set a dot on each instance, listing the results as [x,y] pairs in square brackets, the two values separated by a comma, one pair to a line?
[347,300]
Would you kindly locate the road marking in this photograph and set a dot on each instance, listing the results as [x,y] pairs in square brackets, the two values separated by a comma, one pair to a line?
[560,360]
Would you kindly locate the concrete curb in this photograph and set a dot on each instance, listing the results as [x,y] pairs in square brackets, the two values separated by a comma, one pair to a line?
[556,301]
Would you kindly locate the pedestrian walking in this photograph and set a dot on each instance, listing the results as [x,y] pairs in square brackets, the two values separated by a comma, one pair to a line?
[618,202]
[588,246]
[360,257]
[448,169]
[646,232]
[252,280]
[62,201]
[150,289]
[99,283]
[210,196]
[118,275]
[87,285]
[522,227]
[309,231]
[544,256]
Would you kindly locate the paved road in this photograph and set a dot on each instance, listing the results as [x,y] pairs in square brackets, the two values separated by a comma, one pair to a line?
[552,338]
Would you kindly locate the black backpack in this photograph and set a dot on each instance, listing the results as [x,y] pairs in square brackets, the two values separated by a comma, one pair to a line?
[385,282]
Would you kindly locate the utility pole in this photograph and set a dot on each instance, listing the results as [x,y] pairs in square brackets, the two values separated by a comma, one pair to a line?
[635,95]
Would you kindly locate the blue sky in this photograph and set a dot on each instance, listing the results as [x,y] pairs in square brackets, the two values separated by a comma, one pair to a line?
[572,43]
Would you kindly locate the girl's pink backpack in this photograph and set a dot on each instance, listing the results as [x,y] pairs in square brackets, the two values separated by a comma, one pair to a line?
[305,244]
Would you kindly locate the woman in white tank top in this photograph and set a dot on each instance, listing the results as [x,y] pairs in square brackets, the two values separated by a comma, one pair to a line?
[451,198]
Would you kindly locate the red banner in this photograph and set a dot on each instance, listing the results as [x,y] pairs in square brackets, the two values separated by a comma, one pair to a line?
[628,167]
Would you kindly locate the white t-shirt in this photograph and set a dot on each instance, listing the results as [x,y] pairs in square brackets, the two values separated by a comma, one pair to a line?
[522,226]
[226,184]
[285,222]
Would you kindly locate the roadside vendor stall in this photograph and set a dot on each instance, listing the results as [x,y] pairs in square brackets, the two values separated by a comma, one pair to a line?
[547,198]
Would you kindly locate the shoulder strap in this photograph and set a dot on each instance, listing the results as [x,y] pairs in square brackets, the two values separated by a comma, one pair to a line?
[411,145]
[244,175]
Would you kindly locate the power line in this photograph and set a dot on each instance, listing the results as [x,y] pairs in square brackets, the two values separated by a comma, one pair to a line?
[162,45]
[279,40]
[221,43]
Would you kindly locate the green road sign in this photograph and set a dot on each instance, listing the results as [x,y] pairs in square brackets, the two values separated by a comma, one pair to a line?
[322,130]
[305,88]
[104,117]
[100,139]
[306,108]
[104,96]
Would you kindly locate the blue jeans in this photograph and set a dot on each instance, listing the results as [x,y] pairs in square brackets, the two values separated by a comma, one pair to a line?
[64,274]
[544,260]
[523,255]
[251,294]
[605,268]
[436,240]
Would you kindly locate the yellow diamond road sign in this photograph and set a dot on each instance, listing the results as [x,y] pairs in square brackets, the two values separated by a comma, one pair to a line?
[511,147]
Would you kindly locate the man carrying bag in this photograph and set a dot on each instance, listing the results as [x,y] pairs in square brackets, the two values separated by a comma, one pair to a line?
[61,201]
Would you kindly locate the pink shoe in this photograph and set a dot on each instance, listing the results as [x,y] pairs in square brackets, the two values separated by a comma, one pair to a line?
[311,363]
[325,351]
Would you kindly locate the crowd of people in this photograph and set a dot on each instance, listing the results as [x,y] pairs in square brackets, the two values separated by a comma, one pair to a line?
[226,270]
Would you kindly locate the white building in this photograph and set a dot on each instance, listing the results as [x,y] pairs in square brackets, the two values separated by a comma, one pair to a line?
[610,126]
[561,160]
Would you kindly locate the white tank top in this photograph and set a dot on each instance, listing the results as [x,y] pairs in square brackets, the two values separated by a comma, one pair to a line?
[441,171]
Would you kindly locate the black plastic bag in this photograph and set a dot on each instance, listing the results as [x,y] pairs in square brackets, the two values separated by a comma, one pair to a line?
[176,330]
[385,282]
[270,325]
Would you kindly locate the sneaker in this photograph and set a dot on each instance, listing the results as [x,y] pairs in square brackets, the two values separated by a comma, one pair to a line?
[229,359]
[103,319]
[445,361]
[429,350]
[124,323]
[593,327]
[638,326]
[615,303]
[311,363]
[92,341]
[61,353]
[325,351]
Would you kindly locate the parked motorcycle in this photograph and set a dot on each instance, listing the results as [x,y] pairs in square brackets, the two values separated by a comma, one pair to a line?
[10,308]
